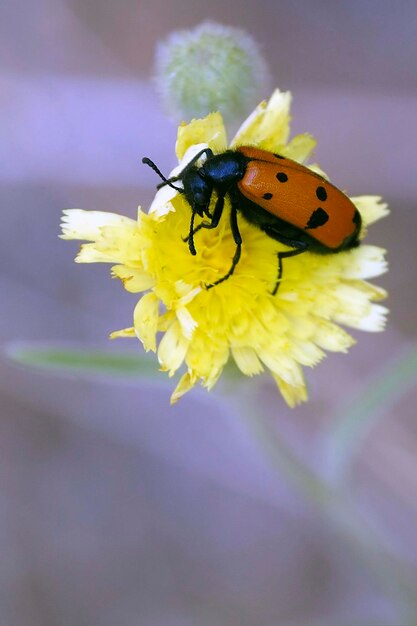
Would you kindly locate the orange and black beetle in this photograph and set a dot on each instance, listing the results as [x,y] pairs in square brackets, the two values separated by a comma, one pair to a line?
[286,200]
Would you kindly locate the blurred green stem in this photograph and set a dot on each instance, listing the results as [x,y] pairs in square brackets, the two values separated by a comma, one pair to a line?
[338,507]
[350,428]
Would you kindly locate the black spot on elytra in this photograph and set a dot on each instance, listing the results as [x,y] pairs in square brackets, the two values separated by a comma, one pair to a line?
[317,218]
[356,217]
[267,196]
[282,177]
[321,193]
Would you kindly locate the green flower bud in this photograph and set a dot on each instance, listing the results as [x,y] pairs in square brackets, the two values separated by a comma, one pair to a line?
[210,68]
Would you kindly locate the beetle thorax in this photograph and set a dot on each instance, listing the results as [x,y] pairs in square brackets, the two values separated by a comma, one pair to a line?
[224,170]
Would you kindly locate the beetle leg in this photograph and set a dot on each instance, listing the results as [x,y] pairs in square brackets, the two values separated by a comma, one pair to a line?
[238,240]
[298,247]
[190,237]
[215,218]
[284,255]
[234,225]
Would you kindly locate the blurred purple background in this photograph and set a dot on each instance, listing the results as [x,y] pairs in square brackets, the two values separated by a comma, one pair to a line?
[116,509]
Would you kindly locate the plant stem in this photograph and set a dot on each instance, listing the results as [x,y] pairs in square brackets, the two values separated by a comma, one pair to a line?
[351,426]
[339,508]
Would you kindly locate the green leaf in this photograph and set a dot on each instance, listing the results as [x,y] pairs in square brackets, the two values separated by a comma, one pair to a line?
[81,360]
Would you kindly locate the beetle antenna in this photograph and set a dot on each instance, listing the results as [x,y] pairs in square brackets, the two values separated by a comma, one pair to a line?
[167,181]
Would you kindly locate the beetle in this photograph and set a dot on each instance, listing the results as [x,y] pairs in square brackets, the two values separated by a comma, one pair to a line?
[286,200]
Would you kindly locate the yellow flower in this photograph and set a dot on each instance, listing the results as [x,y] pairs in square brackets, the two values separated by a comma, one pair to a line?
[239,318]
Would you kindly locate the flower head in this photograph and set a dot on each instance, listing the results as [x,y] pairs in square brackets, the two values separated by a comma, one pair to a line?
[239,318]
[210,68]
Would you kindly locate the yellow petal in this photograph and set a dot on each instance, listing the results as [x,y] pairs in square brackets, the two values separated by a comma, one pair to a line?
[172,349]
[355,309]
[212,379]
[300,147]
[314,167]
[247,360]
[210,130]
[306,352]
[134,280]
[87,225]
[283,366]
[269,125]
[186,292]
[123,333]
[331,337]
[206,359]
[186,320]
[91,253]
[370,291]
[292,394]
[145,320]
[187,382]
[375,320]
[365,262]
[161,204]
[371,208]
